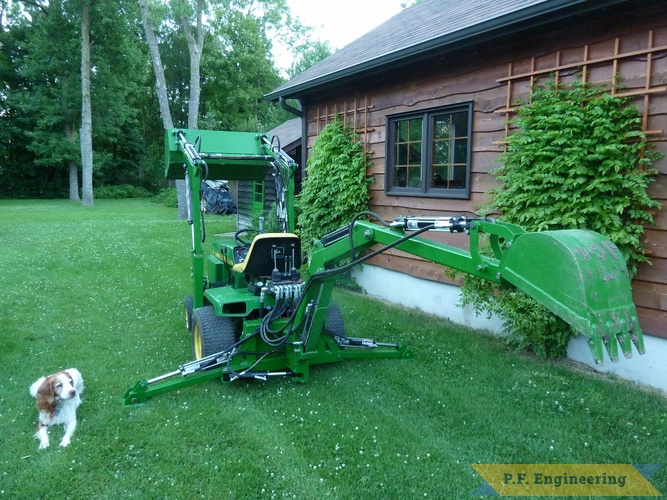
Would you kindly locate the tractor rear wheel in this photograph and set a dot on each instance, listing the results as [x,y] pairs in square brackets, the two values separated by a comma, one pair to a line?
[334,324]
[211,333]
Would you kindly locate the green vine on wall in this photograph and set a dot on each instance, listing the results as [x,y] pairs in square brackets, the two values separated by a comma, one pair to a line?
[579,159]
[336,186]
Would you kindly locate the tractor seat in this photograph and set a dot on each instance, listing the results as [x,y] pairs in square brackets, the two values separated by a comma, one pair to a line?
[271,251]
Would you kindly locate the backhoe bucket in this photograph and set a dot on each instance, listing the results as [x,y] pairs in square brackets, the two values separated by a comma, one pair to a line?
[580,276]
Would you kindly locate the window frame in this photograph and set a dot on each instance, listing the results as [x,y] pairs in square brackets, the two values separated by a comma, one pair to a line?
[427,116]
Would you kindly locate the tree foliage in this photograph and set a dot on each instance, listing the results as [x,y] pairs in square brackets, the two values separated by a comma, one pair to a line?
[40,73]
[578,160]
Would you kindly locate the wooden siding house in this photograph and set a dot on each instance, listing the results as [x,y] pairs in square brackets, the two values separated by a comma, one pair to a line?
[462,65]
[255,197]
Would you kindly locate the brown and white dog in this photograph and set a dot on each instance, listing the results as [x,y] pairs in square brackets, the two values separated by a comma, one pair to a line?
[58,397]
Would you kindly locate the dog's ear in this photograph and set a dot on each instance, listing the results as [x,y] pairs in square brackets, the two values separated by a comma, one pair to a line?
[46,395]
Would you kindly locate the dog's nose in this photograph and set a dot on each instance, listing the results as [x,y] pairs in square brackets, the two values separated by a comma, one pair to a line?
[72,392]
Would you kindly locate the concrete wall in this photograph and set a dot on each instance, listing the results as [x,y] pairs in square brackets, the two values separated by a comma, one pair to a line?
[441,299]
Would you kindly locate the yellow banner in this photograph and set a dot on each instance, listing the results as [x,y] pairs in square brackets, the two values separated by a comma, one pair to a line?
[566,480]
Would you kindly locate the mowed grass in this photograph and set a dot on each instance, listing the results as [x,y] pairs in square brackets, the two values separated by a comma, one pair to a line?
[101,289]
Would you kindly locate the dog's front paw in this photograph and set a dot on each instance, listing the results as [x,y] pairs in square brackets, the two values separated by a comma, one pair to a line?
[65,441]
[43,444]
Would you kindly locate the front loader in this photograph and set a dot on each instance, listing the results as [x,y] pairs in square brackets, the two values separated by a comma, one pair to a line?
[253,315]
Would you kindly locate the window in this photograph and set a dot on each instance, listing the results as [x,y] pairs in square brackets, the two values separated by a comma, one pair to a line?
[428,153]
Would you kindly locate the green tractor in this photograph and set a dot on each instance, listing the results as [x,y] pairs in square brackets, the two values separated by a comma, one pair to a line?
[253,315]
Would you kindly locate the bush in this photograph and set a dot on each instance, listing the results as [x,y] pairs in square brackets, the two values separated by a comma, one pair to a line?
[167,197]
[578,161]
[336,186]
[270,222]
[120,192]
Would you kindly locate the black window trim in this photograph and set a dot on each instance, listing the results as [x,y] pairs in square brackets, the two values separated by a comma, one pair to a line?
[427,116]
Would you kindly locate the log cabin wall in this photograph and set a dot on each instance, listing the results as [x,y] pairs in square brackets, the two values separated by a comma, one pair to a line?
[494,77]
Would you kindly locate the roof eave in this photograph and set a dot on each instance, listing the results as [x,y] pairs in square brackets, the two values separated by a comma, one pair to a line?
[530,17]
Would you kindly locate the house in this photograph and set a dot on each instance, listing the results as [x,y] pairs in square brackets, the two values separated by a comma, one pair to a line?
[465,63]
[256,197]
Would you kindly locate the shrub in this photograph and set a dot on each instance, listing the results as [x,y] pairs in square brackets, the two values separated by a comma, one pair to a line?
[167,197]
[578,160]
[120,192]
[270,222]
[336,186]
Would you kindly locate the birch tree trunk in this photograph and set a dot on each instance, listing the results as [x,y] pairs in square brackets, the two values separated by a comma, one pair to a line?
[86,135]
[158,68]
[73,168]
[195,47]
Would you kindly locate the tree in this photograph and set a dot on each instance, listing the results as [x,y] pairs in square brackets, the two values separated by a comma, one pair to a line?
[86,113]
[158,68]
[308,54]
[195,47]
[44,91]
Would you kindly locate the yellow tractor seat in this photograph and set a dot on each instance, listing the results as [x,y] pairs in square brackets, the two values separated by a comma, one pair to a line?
[269,251]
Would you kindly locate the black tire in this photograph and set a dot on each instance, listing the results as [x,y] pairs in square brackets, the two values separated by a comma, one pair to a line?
[211,333]
[334,324]
[189,309]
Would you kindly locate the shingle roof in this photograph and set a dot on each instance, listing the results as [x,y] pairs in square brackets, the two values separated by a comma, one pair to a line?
[430,25]
[288,132]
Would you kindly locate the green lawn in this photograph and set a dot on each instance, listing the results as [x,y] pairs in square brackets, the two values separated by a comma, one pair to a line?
[101,289]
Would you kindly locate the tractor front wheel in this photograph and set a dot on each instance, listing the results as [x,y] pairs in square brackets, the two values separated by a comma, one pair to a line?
[189,307]
[211,333]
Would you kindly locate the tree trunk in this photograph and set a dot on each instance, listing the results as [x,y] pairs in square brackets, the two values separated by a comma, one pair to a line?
[86,135]
[158,69]
[73,169]
[195,47]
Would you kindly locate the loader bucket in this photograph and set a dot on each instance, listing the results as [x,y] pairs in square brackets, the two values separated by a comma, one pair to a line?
[580,276]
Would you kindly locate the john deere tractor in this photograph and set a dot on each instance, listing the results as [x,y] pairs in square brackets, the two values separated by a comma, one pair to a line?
[252,314]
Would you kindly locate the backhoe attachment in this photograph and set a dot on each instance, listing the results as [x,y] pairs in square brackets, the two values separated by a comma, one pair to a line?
[579,275]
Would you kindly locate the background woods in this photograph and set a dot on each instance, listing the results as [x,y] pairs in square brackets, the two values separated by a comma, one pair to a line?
[42,109]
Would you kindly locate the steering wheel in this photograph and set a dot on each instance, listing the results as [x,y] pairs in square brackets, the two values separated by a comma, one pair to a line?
[243,243]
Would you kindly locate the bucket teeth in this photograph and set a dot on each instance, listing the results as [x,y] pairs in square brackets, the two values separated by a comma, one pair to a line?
[611,342]
[612,347]
[625,343]
[595,345]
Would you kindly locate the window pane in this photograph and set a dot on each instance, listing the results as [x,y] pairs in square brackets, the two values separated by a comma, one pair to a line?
[440,153]
[415,130]
[401,154]
[460,150]
[458,177]
[441,127]
[402,134]
[439,177]
[414,177]
[460,124]
[407,153]
[415,154]
[401,177]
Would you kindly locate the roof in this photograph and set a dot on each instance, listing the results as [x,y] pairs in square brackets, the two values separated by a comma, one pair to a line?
[429,26]
[288,133]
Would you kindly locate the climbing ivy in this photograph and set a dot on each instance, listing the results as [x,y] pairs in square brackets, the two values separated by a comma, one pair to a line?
[579,159]
[336,186]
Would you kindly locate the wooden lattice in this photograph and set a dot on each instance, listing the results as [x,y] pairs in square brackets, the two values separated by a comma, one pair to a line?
[355,114]
[584,65]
